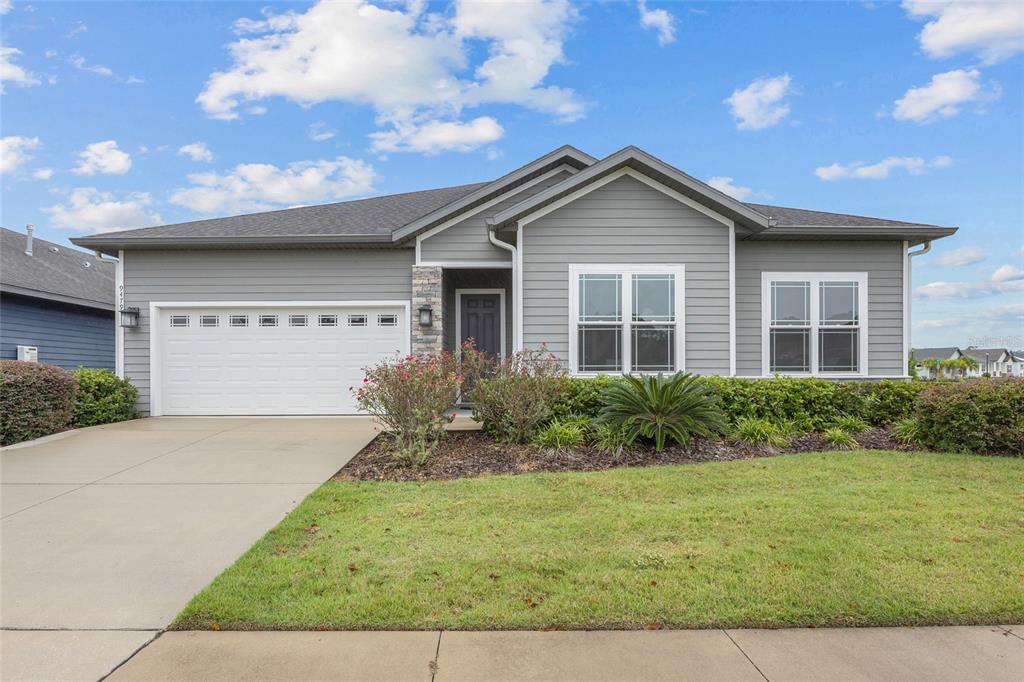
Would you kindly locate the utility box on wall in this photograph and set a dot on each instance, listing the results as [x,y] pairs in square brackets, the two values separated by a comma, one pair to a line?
[28,354]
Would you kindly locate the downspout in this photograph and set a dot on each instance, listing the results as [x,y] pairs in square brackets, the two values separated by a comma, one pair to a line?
[104,257]
[516,303]
[910,254]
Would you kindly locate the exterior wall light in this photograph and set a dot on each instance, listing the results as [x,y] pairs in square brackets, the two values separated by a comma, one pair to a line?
[426,316]
[129,317]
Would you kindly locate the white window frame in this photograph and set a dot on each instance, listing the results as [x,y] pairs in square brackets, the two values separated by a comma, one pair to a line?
[815,279]
[626,271]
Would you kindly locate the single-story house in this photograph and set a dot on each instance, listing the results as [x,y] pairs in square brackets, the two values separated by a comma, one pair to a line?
[56,300]
[620,264]
[996,362]
[922,355]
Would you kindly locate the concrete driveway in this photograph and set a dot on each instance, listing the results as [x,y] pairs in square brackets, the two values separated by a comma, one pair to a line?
[107,532]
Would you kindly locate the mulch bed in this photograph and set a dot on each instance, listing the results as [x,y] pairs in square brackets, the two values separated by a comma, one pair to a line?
[472,453]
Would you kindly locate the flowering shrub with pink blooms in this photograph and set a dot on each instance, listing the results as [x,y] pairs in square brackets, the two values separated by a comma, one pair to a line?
[412,399]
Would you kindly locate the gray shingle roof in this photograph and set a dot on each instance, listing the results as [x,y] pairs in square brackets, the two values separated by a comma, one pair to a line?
[800,217]
[936,353]
[375,217]
[979,353]
[380,220]
[54,272]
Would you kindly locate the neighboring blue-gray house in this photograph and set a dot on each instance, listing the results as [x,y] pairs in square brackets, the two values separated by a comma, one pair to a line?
[56,299]
[620,264]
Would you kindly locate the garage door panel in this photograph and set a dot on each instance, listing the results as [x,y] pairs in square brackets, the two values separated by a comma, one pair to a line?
[302,365]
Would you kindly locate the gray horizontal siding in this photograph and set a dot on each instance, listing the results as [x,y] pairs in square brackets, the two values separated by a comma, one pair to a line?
[882,260]
[68,336]
[254,275]
[467,240]
[628,222]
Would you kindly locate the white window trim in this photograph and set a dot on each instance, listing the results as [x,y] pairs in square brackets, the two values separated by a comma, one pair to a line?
[815,278]
[627,271]
[458,313]
[155,337]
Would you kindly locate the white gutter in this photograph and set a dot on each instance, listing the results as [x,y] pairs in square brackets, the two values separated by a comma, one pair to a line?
[516,302]
[908,296]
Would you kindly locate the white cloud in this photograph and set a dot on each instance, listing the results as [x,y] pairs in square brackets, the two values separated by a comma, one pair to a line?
[914,165]
[103,157]
[42,174]
[1013,312]
[80,27]
[1007,273]
[762,103]
[320,132]
[262,186]
[1005,279]
[16,151]
[89,210]
[935,324]
[726,184]
[406,64]
[437,136]
[943,96]
[967,255]
[197,151]
[78,61]
[11,72]
[5,6]
[662,21]
[994,30]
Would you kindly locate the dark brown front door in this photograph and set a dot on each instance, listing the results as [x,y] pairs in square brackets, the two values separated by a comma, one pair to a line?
[481,321]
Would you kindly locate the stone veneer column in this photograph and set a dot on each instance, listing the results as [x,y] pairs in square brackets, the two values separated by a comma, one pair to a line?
[426,290]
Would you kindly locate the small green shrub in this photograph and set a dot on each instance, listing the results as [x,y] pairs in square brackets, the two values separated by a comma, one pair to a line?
[887,402]
[810,403]
[519,396]
[851,424]
[581,398]
[907,430]
[759,432]
[561,435]
[610,439]
[35,400]
[659,408]
[839,438]
[103,397]
[984,415]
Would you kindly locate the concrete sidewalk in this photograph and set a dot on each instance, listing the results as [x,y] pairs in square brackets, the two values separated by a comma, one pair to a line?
[989,653]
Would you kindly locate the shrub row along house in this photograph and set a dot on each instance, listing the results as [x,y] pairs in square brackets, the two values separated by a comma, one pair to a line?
[620,264]
[56,304]
[950,362]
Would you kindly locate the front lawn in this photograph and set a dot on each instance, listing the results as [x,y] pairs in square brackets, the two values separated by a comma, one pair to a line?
[839,538]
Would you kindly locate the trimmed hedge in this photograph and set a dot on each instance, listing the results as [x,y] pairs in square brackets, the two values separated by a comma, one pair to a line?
[103,397]
[985,415]
[809,403]
[35,400]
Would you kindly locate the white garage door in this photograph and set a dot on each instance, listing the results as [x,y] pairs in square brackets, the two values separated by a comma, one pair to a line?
[272,360]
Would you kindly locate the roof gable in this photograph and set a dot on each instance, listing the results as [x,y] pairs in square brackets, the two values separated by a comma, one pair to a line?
[685,187]
[565,155]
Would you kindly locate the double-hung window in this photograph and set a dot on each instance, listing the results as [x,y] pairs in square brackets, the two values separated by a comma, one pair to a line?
[626,318]
[814,323]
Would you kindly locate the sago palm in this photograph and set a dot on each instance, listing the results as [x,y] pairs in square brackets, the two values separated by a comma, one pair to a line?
[679,407]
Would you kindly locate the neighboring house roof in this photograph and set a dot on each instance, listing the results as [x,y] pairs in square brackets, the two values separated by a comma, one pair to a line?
[943,353]
[393,219]
[994,354]
[54,272]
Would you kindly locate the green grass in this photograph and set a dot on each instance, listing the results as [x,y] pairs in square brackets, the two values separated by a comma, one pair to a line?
[842,538]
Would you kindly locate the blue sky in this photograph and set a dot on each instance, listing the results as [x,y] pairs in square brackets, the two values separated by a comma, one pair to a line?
[119,115]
